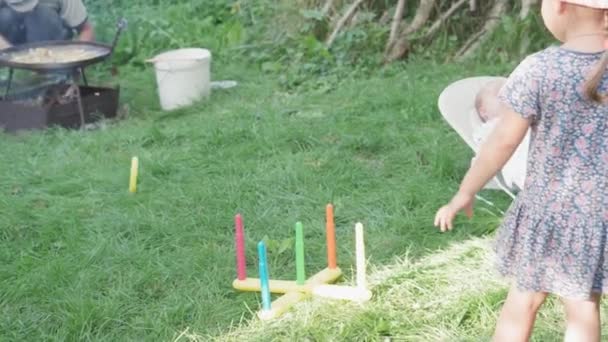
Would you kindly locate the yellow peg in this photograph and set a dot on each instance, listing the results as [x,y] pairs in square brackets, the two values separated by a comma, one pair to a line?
[133,180]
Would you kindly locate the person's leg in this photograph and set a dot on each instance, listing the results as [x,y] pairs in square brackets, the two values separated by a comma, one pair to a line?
[44,24]
[11,25]
[583,320]
[518,315]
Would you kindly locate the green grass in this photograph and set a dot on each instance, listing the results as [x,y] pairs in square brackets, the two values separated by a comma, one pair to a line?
[82,259]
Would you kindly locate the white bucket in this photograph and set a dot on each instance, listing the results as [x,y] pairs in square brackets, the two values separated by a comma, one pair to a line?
[183,77]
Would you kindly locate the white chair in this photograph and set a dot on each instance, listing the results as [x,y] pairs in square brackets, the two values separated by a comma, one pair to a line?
[457,106]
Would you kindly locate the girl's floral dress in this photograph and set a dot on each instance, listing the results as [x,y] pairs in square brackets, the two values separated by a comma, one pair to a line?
[554,237]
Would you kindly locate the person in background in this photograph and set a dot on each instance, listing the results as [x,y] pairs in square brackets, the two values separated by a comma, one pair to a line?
[29,21]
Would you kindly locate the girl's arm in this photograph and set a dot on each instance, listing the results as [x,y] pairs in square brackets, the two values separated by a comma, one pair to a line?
[496,151]
[494,154]
[520,97]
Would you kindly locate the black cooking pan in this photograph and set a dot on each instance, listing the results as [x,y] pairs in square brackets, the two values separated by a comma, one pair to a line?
[96,52]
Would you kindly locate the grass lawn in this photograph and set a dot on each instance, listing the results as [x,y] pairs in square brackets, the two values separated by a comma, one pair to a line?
[82,259]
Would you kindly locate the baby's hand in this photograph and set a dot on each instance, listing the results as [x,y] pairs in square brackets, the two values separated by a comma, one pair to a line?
[445,216]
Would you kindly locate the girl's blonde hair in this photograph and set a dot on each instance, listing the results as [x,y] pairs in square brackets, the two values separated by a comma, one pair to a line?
[590,87]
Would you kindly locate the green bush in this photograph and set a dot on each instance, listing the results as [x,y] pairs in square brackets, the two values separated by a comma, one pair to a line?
[287,37]
[167,25]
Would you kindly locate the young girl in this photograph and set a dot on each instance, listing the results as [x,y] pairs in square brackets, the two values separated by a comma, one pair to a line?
[554,239]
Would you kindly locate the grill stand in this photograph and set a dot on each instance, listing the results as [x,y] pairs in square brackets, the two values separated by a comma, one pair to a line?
[74,72]
[73,84]
[11,72]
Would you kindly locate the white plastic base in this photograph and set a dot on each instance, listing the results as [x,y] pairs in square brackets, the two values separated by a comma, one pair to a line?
[351,293]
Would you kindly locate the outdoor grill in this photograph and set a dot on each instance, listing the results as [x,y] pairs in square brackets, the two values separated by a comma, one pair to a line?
[69,101]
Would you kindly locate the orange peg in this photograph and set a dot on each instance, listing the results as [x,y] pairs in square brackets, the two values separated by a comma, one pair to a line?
[331,237]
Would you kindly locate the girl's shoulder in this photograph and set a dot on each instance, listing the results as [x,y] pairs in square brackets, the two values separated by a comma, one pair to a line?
[557,62]
[558,55]
[542,58]
[553,57]
[533,66]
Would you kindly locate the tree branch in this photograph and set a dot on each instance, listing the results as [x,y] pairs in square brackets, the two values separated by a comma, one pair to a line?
[329,5]
[395,25]
[496,13]
[526,5]
[422,16]
[345,18]
[437,24]
[400,46]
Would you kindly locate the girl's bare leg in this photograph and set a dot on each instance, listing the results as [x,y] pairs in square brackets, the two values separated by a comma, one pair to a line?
[583,319]
[518,315]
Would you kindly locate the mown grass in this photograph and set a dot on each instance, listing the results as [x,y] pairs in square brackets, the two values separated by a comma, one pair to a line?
[451,295]
[82,259]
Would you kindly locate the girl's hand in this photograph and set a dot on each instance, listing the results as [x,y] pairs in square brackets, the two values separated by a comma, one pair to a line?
[445,216]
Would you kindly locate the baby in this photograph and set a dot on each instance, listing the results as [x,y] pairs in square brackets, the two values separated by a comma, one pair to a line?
[487,111]
[484,120]
[486,101]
